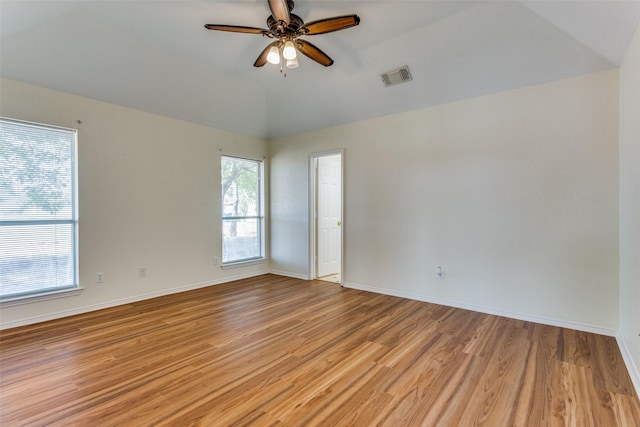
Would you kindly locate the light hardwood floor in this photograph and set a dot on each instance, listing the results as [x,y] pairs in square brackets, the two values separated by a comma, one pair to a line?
[273,351]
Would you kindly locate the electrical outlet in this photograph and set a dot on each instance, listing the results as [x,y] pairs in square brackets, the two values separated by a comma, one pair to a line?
[99,277]
[216,261]
[440,272]
[142,271]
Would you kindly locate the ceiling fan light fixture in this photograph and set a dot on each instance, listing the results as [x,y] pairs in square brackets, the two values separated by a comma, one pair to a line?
[286,30]
[289,51]
[274,55]
[292,63]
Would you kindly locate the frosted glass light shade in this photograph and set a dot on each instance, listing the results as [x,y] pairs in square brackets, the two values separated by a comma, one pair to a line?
[273,57]
[289,51]
[292,63]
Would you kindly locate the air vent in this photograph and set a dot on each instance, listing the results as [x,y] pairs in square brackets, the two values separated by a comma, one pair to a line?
[397,76]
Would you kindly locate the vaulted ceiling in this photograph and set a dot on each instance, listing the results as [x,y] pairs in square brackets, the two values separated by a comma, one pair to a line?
[156,56]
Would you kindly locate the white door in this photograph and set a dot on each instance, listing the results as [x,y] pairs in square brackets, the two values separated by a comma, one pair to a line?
[329,205]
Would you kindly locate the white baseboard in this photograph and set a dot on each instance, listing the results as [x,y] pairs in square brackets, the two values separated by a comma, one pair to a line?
[488,310]
[121,301]
[632,368]
[289,274]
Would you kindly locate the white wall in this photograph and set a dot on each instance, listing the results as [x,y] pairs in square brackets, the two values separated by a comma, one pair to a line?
[149,195]
[629,334]
[515,194]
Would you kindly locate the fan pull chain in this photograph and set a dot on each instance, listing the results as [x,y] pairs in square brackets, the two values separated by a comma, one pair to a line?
[283,70]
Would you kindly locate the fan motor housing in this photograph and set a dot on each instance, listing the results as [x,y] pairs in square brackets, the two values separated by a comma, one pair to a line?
[295,22]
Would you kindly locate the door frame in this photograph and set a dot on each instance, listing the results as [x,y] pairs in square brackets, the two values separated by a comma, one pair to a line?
[313,214]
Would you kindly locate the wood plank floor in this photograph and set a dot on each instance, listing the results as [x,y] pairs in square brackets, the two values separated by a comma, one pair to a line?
[275,351]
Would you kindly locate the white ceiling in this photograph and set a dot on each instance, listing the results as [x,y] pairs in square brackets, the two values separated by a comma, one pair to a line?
[157,57]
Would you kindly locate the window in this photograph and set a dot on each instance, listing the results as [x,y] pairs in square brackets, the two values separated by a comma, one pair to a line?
[242,210]
[38,220]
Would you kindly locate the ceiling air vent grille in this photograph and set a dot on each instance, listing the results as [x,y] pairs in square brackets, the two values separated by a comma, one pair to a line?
[397,76]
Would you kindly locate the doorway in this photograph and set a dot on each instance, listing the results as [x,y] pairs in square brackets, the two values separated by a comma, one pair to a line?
[326,211]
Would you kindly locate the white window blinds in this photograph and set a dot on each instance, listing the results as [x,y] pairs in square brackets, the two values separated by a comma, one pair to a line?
[38,220]
[242,211]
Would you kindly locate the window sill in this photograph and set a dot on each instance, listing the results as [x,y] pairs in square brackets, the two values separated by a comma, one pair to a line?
[28,299]
[246,263]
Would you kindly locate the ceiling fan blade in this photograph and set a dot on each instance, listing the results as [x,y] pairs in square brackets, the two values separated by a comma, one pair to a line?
[280,10]
[313,52]
[330,24]
[236,29]
[262,59]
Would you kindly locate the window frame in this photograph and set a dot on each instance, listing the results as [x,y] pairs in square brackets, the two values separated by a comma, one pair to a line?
[259,217]
[55,291]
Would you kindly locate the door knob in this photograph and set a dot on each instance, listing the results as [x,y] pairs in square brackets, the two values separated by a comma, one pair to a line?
[339,223]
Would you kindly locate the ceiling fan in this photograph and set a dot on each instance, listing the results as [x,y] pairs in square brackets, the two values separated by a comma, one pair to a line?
[286,29]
